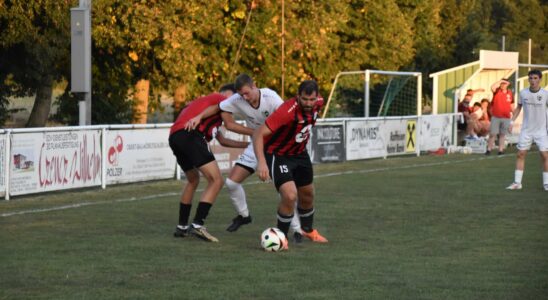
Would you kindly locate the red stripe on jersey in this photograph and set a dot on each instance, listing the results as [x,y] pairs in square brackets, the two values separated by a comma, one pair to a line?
[290,127]
[208,125]
[193,109]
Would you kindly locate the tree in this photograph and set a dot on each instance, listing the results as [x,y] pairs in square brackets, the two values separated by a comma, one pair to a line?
[34,50]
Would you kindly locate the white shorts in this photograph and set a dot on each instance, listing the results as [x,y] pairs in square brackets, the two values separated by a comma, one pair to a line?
[526,139]
[248,159]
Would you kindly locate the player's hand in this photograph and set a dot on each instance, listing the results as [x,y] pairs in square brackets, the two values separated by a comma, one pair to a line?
[192,123]
[262,172]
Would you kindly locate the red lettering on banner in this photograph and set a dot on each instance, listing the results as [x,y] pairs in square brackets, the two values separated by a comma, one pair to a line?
[54,168]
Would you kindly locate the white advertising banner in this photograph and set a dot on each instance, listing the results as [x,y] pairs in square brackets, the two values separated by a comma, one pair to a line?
[364,140]
[378,138]
[138,155]
[57,160]
[395,136]
[435,132]
[2,165]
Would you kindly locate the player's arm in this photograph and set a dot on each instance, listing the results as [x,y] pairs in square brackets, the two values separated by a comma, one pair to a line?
[515,115]
[258,146]
[230,142]
[208,112]
[232,125]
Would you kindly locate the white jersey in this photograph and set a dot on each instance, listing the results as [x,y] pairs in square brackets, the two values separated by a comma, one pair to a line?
[534,107]
[269,101]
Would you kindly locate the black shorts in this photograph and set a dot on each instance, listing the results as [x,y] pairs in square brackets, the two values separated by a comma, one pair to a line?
[191,149]
[296,168]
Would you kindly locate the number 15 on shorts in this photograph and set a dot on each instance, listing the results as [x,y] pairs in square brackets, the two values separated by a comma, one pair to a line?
[283,169]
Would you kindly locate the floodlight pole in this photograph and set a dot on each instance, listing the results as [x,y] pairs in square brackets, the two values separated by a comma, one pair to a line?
[81,59]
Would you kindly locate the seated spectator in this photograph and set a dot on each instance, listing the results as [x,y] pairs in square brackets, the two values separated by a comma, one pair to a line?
[471,92]
[464,108]
[486,108]
[478,123]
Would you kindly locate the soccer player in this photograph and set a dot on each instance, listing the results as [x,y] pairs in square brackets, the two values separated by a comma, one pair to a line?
[534,101]
[254,105]
[194,156]
[280,147]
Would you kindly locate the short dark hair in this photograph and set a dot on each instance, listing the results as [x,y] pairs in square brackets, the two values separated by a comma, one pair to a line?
[477,104]
[535,72]
[228,87]
[308,87]
[484,100]
[242,80]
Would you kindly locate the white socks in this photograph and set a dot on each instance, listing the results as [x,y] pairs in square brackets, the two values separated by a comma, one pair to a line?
[518,174]
[237,195]
[545,178]
[296,222]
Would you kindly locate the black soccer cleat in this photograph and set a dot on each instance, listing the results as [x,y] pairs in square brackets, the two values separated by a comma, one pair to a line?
[180,232]
[297,238]
[237,222]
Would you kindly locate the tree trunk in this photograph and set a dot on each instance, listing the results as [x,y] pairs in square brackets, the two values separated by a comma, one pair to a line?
[42,104]
[179,98]
[141,102]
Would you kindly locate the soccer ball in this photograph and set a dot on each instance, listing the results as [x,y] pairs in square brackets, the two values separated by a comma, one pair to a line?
[273,239]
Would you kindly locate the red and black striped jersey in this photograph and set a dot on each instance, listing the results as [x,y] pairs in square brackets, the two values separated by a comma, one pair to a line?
[208,126]
[290,127]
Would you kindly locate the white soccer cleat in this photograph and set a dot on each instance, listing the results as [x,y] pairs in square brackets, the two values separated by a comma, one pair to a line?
[514,186]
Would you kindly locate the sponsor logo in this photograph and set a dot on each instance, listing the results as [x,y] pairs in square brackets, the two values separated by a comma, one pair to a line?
[304,134]
[113,155]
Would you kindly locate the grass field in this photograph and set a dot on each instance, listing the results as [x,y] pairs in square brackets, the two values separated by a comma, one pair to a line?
[432,227]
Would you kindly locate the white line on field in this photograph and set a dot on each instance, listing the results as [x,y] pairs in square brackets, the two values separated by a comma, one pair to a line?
[171,194]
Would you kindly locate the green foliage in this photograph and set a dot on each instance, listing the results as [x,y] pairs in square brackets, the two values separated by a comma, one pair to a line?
[34,47]
[196,44]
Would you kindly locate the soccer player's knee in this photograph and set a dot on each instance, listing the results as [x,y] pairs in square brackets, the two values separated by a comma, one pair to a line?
[231,185]
[192,179]
[290,197]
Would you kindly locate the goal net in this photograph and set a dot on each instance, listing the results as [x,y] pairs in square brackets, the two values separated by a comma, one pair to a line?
[373,93]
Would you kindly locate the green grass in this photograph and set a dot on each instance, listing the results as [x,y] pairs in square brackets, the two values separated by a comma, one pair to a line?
[402,228]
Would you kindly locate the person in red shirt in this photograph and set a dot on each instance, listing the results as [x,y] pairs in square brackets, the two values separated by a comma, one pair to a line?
[194,156]
[280,148]
[501,114]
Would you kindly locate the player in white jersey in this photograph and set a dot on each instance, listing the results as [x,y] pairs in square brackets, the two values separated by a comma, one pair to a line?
[254,105]
[534,101]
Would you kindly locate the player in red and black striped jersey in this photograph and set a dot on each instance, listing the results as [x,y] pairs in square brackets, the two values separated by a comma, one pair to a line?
[194,156]
[280,147]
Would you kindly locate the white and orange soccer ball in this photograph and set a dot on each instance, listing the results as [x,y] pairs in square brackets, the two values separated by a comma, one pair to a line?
[273,240]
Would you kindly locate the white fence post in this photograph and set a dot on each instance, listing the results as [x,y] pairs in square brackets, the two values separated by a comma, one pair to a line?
[103,158]
[7,164]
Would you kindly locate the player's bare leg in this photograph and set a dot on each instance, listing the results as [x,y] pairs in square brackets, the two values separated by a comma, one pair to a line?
[518,173]
[544,156]
[286,208]
[214,179]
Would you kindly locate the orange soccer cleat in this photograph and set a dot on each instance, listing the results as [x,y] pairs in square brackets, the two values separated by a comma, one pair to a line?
[315,236]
